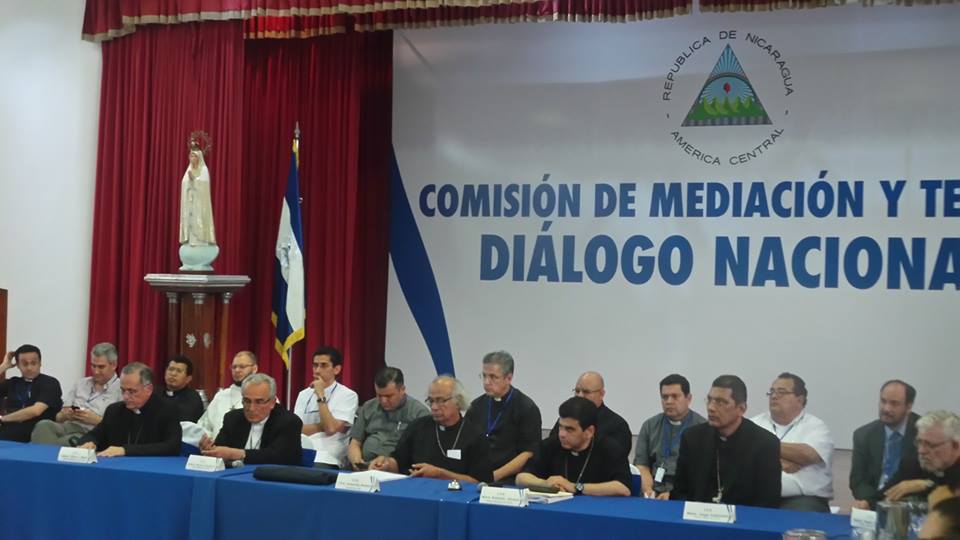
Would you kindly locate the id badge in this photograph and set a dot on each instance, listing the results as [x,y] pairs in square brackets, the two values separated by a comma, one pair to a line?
[658,476]
[453,454]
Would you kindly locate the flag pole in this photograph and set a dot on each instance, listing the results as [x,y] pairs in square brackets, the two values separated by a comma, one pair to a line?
[296,143]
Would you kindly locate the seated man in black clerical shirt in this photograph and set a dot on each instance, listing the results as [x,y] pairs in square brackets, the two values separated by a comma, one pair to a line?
[29,398]
[177,389]
[443,445]
[262,432]
[729,459]
[140,424]
[575,460]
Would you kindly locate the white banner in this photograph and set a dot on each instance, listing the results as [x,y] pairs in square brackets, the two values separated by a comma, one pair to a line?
[744,194]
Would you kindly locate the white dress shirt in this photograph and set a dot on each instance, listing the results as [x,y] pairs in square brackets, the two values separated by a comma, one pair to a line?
[814,480]
[342,401]
[226,400]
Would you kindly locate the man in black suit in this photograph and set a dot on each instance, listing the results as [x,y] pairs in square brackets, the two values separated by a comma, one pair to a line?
[879,447]
[729,459]
[261,432]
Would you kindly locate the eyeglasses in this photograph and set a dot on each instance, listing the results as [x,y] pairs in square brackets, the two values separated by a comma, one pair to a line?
[780,392]
[130,391]
[490,377]
[719,402]
[241,366]
[437,400]
[921,443]
[584,391]
[259,402]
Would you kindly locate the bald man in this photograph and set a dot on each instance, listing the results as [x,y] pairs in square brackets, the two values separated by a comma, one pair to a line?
[609,424]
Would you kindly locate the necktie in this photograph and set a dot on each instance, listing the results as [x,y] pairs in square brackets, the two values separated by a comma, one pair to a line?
[891,454]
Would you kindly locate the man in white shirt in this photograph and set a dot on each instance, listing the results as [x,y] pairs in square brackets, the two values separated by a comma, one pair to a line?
[806,446]
[84,404]
[327,409]
[230,398]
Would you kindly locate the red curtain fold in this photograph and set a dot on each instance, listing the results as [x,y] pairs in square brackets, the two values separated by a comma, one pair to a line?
[157,86]
[107,19]
[340,90]
[165,81]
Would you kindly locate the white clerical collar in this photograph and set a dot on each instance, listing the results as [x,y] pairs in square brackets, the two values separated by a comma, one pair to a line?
[261,423]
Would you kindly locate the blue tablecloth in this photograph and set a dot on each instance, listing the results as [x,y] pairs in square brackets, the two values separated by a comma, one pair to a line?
[127,497]
[413,508]
[630,517]
[149,498]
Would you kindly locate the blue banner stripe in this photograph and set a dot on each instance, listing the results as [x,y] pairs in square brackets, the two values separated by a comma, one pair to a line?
[415,274]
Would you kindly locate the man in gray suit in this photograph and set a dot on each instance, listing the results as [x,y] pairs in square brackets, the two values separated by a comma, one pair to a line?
[880,446]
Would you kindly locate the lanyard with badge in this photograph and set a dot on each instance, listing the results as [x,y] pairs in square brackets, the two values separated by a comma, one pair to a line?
[667,446]
[492,424]
[789,429]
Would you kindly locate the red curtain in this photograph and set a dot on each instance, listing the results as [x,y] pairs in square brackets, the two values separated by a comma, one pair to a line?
[161,83]
[157,86]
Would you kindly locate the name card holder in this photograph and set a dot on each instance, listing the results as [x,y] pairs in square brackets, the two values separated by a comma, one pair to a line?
[204,463]
[714,513]
[516,497]
[362,482]
[863,519]
[77,455]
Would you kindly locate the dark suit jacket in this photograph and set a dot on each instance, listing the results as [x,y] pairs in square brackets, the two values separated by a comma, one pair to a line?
[281,437]
[749,466]
[867,465]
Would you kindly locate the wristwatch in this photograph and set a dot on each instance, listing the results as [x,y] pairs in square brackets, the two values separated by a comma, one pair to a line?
[322,399]
[578,490]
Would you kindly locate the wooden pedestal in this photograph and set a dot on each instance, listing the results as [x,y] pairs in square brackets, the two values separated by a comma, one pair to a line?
[198,317]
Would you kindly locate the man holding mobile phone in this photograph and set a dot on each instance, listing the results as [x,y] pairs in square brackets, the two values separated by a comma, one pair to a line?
[31,397]
[85,403]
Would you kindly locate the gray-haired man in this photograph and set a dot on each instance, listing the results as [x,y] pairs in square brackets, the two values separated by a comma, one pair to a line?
[260,433]
[85,403]
[444,445]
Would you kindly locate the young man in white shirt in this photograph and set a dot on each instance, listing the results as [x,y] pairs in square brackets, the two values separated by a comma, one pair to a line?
[327,409]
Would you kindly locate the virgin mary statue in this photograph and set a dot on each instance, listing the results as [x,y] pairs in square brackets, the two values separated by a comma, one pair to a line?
[198,242]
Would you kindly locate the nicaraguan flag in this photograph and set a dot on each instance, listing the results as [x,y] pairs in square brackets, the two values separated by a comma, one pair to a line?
[289,311]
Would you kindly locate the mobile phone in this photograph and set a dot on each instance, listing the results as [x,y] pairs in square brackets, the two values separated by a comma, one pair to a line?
[362,465]
[13,357]
[543,489]
[76,408]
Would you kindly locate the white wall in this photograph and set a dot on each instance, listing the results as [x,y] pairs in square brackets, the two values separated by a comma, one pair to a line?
[49,103]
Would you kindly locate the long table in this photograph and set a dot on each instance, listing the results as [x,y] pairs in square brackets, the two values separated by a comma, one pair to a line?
[157,498]
[136,497]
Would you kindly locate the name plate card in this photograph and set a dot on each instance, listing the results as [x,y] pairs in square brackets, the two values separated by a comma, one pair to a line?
[77,455]
[714,513]
[204,463]
[863,519]
[366,483]
[503,496]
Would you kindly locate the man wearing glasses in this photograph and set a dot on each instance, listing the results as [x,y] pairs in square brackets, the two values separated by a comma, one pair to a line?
[806,446]
[880,446]
[85,403]
[658,443]
[938,458]
[609,424]
[728,460]
[227,399]
[140,425]
[260,433]
[443,445]
[509,419]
